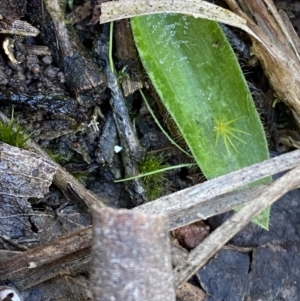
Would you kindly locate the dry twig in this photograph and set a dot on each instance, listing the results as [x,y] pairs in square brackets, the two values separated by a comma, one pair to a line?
[214,242]
[130,257]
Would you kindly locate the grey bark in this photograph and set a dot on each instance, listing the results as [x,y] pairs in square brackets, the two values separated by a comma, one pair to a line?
[130,257]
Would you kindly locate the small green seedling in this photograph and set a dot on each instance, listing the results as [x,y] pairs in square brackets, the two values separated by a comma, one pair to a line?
[57,157]
[82,177]
[225,129]
[12,133]
[122,74]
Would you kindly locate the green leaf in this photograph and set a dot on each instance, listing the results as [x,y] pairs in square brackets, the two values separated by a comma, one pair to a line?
[199,80]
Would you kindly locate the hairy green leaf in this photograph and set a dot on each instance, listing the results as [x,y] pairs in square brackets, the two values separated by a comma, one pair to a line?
[199,80]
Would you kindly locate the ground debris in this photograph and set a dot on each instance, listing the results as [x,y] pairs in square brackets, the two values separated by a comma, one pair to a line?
[10,13]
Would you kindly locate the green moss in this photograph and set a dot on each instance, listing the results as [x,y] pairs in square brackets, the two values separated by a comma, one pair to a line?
[12,133]
[153,183]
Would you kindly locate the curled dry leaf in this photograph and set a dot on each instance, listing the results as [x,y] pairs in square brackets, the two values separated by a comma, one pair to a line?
[23,173]
[8,45]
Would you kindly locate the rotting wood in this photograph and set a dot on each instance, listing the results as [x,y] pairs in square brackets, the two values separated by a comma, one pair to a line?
[54,265]
[81,73]
[128,58]
[132,152]
[58,105]
[130,257]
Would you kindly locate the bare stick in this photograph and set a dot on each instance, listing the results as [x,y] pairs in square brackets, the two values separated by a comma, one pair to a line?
[132,152]
[47,261]
[214,242]
[130,257]
[211,207]
[194,196]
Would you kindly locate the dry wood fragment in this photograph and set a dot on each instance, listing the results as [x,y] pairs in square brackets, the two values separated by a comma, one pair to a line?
[62,180]
[81,12]
[199,9]
[81,73]
[70,254]
[132,151]
[178,254]
[47,261]
[38,49]
[10,13]
[21,28]
[8,45]
[279,54]
[130,257]
[171,205]
[128,58]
